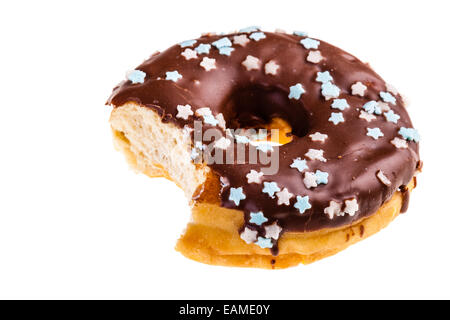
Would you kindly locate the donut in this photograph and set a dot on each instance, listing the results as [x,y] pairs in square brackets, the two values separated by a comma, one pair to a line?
[288,148]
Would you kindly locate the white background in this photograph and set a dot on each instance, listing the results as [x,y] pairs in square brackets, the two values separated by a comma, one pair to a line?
[75,222]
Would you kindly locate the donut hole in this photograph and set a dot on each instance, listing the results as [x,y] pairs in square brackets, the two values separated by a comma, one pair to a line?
[267,107]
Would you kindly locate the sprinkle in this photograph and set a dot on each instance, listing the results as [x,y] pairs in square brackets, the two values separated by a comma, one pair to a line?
[330,90]
[302,204]
[387,97]
[184,111]
[367,116]
[284,196]
[208,64]
[296,91]
[203,111]
[270,188]
[221,121]
[136,76]
[249,29]
[257,218]
[273,231]
[318,137]
[257,36]
[187,43]
[314,57]
[264,243]
[383,106]
[241,40]
[300,33]
[271,67]
[309,43]
[222,143]
[334,209]
[315,154]
[251,63]
[391,88]
[189,54]
[391,116]
[321,177]
[241,139]
[384,180]
[324,77]
[236,195]
[264,147]
[358,89]
[254,176]
[209,119]
[249,235]
[340,104]
[409,134]
[203,48]
[351,206]
[310,180]
[226,51]
[374,133]
[223,42]
[173,75]
[399,143]
[336,117]
[372,107]
[299,164]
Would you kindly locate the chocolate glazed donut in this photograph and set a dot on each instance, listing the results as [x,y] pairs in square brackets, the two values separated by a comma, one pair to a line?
[352,142]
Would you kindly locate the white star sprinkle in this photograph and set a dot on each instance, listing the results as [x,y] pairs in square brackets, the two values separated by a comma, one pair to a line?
[367,116]
[241,40]
[254,176]
[384,180]
[208,64]
[271,67]
[351,206]
[358,89]
[201,112]
[222,143]
[189,54]
[334,209]
[184,111]
[384,107]
[251,63]
[314,57]
[273,231]
[284,196]
[314,154]
[310,180]
[318,137]
[249,235]
[399,143]
[221,121]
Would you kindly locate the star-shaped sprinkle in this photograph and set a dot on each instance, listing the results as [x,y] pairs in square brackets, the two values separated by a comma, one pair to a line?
[336,117]
[372,107]
[257,218]
[299,164]
[270,188]
[271,67]
[333,209]
[284,196]
[302,204]
[321,177]
[194,154]
[189,54]
[209,119]
[383,106]
[226,51]
[374,133]
[272,231]
[136,76]
[309,43]
[367,116]
[399,143]
[236,195]
[358,89]
[203,48]
[208,64]
[330,90]
[264,242]
[203,111]
[318,137]
[387,97]
[249,235]
[391,116]
[409,134]
[310,180]
[241,40]
[324,77]
[222,143]
[254,176]
[173,75]
[184,111]
[221,121]
[314,57]
[315,154]
[249,29]
[351,206]
[223,42]
[340,104]
[296,91]
[264,147]
[300,33]
[251,63]
[257,36]
[187,43]
[384,180]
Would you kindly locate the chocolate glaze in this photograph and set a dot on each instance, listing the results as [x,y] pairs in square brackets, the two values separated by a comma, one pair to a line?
[353,158]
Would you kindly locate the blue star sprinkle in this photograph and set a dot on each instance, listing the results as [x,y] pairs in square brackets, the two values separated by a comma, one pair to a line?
[223,42]
[173,75]
[296,91]
[300,33]
[264,147]
[410,134]
[270,188]
[236,195]
[299,164]
[187,43]
[387,97]
[302,204]
[372,107]
[209,119]
[340,104]
[391,116]
[257,218]
[203,48]
[330,90]
[324,77]
[136,76]
[241,139]
[264,242]
[336,117]
[226,51]
[374,133]
[257,36]
[249,29]
[321,177]
[309,43]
